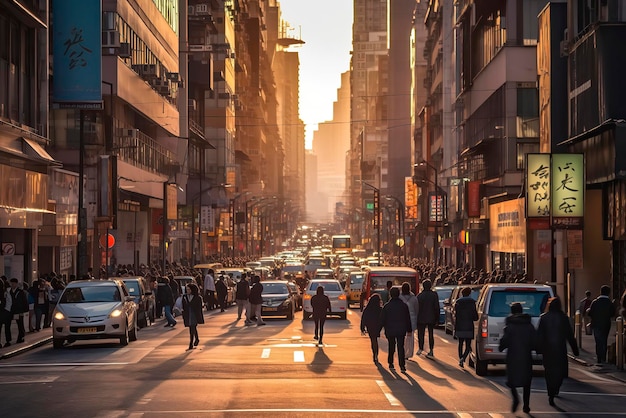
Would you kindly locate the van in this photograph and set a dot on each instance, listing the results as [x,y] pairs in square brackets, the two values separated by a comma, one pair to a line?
[376,279]
[493,306]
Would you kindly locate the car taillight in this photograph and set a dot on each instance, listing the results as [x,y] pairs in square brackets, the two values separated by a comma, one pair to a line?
[306,296]
[483,326]
[342,297]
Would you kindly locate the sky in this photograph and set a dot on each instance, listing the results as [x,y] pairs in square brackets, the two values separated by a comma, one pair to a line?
[326,28]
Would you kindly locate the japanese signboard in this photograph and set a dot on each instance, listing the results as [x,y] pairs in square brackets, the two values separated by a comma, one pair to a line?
[77,52]
[410,198]
[567,190]
[436,208]
[473,199]
[507,226]
[538,185]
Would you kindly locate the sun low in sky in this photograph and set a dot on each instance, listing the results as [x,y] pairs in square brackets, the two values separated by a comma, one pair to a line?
[326,28]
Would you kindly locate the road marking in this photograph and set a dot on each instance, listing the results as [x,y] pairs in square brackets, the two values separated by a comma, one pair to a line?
[393,401]
[300,345]
[494,415]
[444,340]
[464,415]
[596,377]
[446,413]
[298,356]
[61,364]
[611,395]
[38,379]
[266,353]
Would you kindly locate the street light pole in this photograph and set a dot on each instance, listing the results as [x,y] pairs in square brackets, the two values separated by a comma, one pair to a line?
[193,226]
[377,215]
[437,208]
[401,232]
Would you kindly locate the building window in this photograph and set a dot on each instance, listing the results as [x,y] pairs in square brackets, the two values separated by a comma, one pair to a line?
[527,113]
[524,148]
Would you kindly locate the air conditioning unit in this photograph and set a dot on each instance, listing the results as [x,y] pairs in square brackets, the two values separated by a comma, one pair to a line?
[151,71]
[164,90]
[202,9]
[124,50]
[173,77]
[159,82]
[138,68]
[192,104]
[128,132]
[110,39]
[235,97]
[231,55]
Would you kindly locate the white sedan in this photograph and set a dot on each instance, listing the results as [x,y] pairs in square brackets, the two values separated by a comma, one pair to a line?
[332,289]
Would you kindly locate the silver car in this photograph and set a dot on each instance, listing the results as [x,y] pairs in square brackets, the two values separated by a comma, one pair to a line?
[332,289]
[94,309]
[493,306]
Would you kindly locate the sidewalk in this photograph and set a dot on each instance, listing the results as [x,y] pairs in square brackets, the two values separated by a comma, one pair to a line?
[31,340]
[588,357]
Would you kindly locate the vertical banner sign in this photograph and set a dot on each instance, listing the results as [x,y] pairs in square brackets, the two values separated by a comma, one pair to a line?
[77,52]
[473,199]
[436,208]
[172,202]
[410,198]
[537,185]
[568,190]
[207,218]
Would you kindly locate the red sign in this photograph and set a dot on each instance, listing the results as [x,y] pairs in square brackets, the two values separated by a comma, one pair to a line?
[473,199]
[107,241]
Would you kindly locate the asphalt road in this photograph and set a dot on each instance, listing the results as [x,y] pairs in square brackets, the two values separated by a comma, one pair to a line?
[273,371]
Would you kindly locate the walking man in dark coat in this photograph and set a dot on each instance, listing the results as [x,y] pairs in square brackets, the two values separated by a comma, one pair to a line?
[520,340]
[553,333]
[396,320]
[320,304]
[465,315]
[222,292]
[256,302]
[427,316]
[370,322]
[601,311]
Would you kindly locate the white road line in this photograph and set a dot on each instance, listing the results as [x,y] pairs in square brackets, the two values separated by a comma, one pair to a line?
[602,379]
[494,415]
[298,356]
[61,364]
[44,379]
[464,415]
[393,401]
[428,413]
[443,339]
[266,353]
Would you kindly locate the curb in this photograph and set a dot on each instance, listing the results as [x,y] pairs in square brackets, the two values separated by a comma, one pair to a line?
[26,348]
[617,375]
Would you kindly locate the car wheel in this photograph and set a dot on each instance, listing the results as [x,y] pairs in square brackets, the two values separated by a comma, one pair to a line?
[143,322]
[124,337]
[343,315]
[132,334]
[57,343]
[480,366]
[291,313]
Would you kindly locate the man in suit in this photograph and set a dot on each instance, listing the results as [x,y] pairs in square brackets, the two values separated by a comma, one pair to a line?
[601,311]
[19,306]
[396,320]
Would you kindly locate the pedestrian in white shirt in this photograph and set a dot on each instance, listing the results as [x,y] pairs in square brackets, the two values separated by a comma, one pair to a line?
[209,290]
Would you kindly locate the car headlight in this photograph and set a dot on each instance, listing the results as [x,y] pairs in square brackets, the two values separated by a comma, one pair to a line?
[285,302]
[59,315]
[115,313]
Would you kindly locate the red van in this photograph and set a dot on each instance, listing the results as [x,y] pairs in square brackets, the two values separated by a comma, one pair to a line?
[376,279]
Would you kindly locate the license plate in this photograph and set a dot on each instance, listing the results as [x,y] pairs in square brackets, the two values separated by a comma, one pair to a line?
[271,309]
[86,330]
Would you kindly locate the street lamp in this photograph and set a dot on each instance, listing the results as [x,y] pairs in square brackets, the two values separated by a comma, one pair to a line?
[193,218]
[400,223]
[376,215]
[249,207]
[438,207]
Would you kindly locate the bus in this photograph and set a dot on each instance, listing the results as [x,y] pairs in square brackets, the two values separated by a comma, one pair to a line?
[341,244]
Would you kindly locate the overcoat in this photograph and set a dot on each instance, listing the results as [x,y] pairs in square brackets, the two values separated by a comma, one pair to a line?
[519,339]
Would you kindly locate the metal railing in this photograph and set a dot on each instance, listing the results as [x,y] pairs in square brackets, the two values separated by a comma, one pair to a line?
[144,152]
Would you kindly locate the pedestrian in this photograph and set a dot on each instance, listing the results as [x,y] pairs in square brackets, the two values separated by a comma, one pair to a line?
[553,334]
[410,299]
[601,311]
[427,317]
[370,322]
[166,297]
[5,314]
[40,292]
[222,292]
[320,303]
[465,314]
[396,320]
[520,340]
[385,293]
[53,297]
[241,296]
[209,290]
[192,313]
[583,306]
[19,306]
[256,302]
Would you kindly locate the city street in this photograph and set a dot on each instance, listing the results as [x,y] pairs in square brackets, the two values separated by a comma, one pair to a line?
[275,370]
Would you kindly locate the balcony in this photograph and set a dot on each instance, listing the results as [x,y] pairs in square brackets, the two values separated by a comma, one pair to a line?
[138,149]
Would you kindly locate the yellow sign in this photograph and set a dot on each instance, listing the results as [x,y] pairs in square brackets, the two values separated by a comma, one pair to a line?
[410,198]
[568,185]
[538,185]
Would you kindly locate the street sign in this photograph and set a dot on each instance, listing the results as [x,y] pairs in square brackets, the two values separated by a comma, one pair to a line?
[107,241]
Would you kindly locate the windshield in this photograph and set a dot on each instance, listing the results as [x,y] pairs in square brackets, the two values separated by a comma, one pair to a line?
[91,294]
[358,280]
[275,288]
[533,302]
[133,287]
[380,282]
[443,294]
[328,286]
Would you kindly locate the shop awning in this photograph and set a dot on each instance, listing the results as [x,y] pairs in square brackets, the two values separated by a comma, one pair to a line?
[33,149]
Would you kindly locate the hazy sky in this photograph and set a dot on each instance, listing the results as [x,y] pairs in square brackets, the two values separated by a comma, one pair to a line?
[326,28]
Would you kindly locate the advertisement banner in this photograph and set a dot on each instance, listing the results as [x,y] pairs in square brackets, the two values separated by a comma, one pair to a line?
[538,185]
[507,227]
[77,53]
[436,208]
[473,199]
[410,198]
[568,190]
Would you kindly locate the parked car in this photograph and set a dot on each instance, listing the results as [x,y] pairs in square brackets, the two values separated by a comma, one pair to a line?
[297,295]
[143,297]
[332,289]
[443,292]
[278,299]
[448,304]
[182,282]
[493,306]
[324,273]
[354,285]
[94,309]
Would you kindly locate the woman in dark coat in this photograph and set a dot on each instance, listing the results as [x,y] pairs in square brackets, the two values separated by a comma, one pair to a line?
[553,333]
[520,340]
[321,305]
[192,313]
[465,315]
[370,321]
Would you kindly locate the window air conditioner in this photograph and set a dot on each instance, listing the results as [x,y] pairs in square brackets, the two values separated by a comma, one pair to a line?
[110,39]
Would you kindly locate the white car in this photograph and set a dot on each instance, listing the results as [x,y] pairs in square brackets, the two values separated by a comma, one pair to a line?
[332,289]
[94,309]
